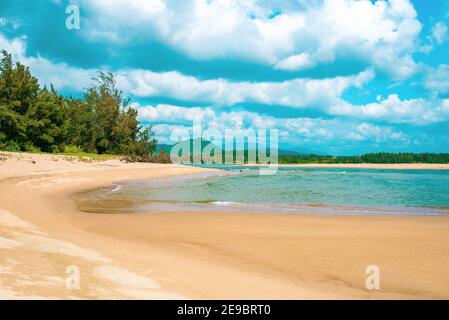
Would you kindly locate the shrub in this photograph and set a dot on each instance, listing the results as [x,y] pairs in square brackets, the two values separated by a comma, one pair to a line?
[11,146]
[29,147]
[72,149]
[162,157]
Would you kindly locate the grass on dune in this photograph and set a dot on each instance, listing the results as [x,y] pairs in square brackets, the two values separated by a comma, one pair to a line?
[81,155]
[93,156]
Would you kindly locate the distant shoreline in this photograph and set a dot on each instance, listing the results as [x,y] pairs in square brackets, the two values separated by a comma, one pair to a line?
[385,166]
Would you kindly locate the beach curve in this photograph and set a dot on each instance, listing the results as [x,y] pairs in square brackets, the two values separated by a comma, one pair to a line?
[198,255]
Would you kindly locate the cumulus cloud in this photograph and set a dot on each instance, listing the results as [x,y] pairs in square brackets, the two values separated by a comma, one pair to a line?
[323,94]
[173,114]
[116,20]
[60,74]
[15,46]
[298,93]
[295,62]
[299,130]
[439,32]
[394,110]
[367,131]
[12,23]
[296,38]
[437,79]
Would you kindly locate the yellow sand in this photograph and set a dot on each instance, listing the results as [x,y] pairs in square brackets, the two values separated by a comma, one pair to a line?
[198,255]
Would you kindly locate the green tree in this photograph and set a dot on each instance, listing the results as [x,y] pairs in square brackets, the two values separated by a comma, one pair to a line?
[145,144]
[81,125]
[33,119]
[18,91]
[47,122]
[106,102]
[117,130]
[18,88]
[12,129]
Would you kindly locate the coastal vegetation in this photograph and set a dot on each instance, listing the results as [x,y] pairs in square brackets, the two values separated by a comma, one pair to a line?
[36,119]
[381,157]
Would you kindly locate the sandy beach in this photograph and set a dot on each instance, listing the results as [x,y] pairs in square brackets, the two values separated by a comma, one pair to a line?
[205,255]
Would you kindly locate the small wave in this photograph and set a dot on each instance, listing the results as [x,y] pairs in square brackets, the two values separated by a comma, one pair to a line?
[224,203]
[116,189]
[294,171]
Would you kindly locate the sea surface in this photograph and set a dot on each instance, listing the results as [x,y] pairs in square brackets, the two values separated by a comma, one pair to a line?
[290,190]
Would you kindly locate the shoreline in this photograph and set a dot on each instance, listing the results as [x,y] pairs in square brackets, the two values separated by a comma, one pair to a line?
[96,201]
[386,166]
[210,255]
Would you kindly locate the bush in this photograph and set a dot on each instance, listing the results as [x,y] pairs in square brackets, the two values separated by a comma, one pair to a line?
[72,149]
[29,147]
[162,157]
[11,146]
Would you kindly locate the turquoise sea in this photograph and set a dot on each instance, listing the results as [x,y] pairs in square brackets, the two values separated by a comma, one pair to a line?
[290,190]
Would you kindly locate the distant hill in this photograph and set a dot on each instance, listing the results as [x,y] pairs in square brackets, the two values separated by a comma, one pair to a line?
[300,152]
[310,156]
[281,152]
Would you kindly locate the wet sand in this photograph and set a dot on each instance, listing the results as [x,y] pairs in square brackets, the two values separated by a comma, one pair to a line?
[204,255]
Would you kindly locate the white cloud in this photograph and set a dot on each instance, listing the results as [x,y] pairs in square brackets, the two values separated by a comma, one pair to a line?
[295,62]
[116,20]
[367,131]
[298,130]
[324,94]
[382,33]
[13,23]
[60,74]
[173,114]
[299,93]
[164,131]
[394,110]
[439,32]
[16,47]
[437,79]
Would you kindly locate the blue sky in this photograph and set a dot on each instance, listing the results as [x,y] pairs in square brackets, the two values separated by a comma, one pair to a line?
[336,76]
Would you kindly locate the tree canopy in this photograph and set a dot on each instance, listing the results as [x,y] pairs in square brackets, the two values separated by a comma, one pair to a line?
[381,157]
[39,119]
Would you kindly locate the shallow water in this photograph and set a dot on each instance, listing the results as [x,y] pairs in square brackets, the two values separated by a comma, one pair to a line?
[305,190]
